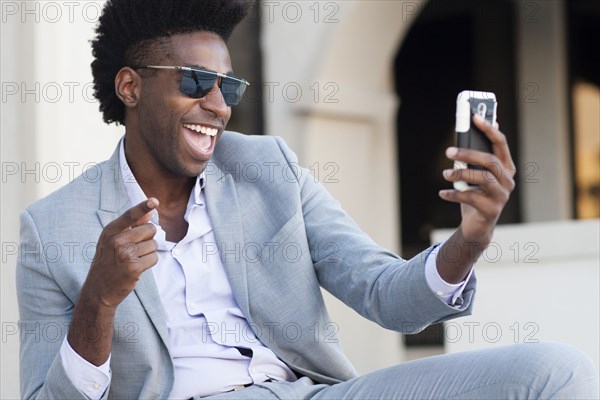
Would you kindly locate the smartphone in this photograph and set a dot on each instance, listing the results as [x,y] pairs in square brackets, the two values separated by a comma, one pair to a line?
[469,103]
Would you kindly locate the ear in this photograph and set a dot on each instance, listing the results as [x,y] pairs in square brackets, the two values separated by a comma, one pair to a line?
[128,86]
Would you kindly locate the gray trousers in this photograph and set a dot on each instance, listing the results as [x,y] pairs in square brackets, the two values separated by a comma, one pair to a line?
[521,371]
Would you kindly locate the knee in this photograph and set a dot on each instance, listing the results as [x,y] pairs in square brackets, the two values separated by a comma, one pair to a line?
[561,366]
[563,357]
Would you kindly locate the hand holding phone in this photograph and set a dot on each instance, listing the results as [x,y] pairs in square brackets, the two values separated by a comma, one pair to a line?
[468,104]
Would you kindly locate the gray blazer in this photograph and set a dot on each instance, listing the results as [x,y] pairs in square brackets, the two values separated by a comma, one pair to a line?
[280,235]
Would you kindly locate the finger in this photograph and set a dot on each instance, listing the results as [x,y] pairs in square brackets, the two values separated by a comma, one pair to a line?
[148,261]
[135,216]
[151,204]
[475,199]
[473,176]
[467,197]
[488,161]
[499,143]
[131,252]
[146,247]
[139,233]
[135,236]
[474,157]
[492,180]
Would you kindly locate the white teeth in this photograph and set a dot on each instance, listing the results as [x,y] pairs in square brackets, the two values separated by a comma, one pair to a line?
[202,129]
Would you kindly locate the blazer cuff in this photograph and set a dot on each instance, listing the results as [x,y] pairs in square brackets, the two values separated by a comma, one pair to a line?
[448,292]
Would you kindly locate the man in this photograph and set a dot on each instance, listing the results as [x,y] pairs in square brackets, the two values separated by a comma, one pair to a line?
[192,290]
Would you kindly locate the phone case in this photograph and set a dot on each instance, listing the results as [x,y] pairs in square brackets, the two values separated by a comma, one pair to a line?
[469,103]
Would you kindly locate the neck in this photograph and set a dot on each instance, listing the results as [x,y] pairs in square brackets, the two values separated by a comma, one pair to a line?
[155,180]
[169,191]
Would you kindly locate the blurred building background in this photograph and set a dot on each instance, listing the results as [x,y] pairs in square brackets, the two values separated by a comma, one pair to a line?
[364,92]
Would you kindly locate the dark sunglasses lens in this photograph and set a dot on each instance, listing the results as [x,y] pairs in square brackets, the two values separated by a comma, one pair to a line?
[196,84]
[232,91]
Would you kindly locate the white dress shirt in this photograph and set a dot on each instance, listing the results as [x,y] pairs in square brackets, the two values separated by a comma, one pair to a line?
[208,335]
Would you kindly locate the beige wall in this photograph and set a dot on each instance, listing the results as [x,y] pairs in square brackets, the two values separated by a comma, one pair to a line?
[536,282]
[545,171]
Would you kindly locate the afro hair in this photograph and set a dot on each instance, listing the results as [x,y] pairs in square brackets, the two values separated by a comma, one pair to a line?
[136,32]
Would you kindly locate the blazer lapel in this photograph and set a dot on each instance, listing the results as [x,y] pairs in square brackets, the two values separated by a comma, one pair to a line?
[225,217]
[114,202]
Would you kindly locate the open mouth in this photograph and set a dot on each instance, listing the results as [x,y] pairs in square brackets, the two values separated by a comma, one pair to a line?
[201,138]
[202,129]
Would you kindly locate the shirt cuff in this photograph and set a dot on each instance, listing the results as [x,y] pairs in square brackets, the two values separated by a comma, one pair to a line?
[448,292]
[87,378]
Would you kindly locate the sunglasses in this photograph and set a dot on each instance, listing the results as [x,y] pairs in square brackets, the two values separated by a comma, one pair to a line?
[197,83]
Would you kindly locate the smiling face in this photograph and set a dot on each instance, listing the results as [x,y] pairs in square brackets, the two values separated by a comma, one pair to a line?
[168,133]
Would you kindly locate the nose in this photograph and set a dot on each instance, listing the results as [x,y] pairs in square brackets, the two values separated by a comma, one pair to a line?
[214,101]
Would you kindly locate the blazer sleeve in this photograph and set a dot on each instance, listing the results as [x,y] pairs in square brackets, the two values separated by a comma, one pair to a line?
[45,315]
[375,282]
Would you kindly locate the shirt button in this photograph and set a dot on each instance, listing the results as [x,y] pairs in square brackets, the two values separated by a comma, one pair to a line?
[95,386]
[439,293]
[176,252]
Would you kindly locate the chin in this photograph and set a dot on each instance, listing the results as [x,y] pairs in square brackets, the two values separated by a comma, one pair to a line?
[196,169]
